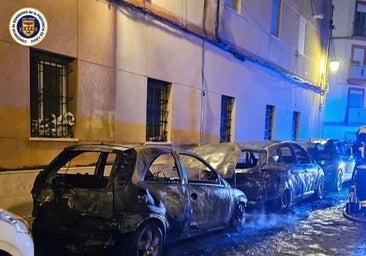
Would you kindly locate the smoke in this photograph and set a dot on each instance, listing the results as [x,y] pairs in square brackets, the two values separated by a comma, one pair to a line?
[263,220]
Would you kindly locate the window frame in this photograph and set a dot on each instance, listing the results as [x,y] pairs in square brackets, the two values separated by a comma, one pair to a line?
[295,125]
[157,110]
[226,117]
[359,24]
[50,95]
[276,17]
[269,122]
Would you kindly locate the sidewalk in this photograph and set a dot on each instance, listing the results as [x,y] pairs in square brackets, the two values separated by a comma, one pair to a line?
[15,191]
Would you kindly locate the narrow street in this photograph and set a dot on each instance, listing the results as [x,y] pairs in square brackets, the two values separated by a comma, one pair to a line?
[311,228]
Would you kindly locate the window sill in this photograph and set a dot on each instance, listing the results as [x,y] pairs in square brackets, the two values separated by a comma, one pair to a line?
[53,139]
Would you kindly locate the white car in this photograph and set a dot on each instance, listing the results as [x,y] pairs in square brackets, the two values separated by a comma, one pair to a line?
[15,235]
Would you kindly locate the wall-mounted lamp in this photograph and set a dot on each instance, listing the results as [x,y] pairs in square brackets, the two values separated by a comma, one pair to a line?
[318,16]
[334,64]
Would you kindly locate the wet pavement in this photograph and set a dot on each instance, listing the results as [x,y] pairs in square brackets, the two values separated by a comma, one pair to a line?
[310,228]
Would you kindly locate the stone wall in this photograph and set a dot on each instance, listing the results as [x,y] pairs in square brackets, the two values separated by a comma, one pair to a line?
[15,191]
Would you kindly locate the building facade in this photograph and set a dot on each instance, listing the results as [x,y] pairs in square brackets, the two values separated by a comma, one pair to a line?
[159,71]
[345,109]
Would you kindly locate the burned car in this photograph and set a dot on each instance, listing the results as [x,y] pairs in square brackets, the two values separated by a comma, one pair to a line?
[337,162]
[131,199]
[279,172]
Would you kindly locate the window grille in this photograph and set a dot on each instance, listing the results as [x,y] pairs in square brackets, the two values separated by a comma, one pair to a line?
[268,125]
[50,95]
[295,125]
[157,110]
[226,115]
[360,20]
[276,17]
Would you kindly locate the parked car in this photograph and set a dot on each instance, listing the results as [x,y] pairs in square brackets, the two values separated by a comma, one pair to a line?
[280,172]
[130,198]
[15,235]
[336,160]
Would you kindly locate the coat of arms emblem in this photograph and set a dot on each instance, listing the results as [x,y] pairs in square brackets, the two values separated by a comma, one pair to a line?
[28,26]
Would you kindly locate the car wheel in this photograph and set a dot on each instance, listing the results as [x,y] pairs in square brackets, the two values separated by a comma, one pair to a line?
[4,253]
[239,216]
[319,193]
[285,200]
[338,181]
[148,240]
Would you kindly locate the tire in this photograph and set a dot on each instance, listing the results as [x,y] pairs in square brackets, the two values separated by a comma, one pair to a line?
[239,216]
[4,253]
[338,184]
[285,200]
[148,240]
[319,193]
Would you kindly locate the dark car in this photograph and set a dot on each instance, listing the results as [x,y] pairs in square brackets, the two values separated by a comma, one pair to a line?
[132,199]
[279,172]
[336,160]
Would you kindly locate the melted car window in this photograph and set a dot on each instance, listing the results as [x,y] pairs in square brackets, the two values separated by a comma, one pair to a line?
[198,171]
[247,159]
[163,168]
[301,155]
[87,169]
[286,155]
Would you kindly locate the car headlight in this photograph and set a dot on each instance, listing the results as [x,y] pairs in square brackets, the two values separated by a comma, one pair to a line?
[17,222]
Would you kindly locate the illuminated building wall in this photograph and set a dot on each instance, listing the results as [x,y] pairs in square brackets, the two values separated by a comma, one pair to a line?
[203,49]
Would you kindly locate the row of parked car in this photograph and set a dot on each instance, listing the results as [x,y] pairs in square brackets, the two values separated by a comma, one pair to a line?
[134,199]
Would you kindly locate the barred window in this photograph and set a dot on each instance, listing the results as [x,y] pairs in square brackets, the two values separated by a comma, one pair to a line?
[269,121]
[276,17]
[360,19]
[295,125]
[157,110]
[227,104]
[50,95]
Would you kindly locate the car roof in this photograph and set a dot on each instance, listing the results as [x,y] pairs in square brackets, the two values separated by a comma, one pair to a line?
[260,144]
[313,142]
[120,147]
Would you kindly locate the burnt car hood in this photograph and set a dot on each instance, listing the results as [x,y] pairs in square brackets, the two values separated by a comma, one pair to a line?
[222,156]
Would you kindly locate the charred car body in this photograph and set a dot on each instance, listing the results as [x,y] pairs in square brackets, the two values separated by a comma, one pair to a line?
[337,162]
[129,198]
[280,172]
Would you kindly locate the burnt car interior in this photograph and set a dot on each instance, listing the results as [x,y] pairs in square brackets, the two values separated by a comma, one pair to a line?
[86,170]
[164,169]
[247,159]
[197,171]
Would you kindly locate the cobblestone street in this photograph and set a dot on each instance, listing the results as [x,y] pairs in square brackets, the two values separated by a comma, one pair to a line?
[311,228]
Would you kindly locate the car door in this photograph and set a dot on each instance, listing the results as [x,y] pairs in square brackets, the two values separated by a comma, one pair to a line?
[165,182]
[210,198]
[295,175]
[306,165]
[346,159]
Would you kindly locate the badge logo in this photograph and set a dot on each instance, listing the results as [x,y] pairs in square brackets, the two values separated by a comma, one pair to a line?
[28,26]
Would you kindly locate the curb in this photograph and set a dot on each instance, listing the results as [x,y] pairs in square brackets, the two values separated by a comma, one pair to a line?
[354,217]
